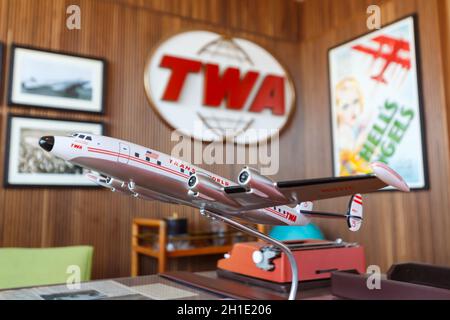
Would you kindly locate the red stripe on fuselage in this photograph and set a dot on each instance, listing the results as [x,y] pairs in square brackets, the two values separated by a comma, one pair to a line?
[116,154]
[276,212]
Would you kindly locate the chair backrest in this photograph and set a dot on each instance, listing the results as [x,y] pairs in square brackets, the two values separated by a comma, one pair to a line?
[23,267]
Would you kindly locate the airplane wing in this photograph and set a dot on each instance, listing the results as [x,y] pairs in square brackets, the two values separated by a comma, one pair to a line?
[130,189]
[256,191]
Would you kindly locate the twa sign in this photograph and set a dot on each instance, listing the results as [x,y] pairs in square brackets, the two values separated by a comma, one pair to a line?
[212,87]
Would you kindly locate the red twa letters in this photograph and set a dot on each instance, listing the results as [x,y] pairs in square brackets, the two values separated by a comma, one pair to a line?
[180,68]
[228,86]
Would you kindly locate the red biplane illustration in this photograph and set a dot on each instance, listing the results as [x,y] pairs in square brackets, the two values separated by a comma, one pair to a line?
[392,56]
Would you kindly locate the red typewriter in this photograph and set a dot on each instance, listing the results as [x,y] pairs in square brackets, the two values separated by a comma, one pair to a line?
[316,259]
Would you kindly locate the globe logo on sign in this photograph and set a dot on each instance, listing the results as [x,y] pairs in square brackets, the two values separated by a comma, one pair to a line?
[211,87]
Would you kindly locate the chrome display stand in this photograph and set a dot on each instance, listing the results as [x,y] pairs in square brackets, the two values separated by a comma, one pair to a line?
[255,233]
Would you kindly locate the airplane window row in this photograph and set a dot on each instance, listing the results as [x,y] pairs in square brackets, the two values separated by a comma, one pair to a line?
[82,136]
[279,210]
[136,154]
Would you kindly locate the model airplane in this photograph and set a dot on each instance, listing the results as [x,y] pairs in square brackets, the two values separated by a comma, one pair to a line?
[144,173]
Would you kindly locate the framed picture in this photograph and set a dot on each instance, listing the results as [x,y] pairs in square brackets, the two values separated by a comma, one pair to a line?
[376,104]
[55,80]
[26,164]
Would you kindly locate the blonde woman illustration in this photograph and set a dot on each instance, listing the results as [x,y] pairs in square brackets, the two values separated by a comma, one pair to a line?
[350,126]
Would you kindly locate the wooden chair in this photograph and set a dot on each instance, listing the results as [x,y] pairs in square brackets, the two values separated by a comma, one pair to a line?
[136,249]
[23,267]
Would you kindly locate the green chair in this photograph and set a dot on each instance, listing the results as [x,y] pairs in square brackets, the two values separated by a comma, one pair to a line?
[24,267]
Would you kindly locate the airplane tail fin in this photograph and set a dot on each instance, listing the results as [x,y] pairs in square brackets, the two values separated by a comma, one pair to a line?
[307,206]
[353,216]
[355,212]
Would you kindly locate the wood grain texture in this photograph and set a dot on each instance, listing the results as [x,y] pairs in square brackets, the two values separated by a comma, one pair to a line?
[398,227]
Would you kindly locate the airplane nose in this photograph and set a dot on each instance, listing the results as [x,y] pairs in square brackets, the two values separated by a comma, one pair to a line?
[47,143]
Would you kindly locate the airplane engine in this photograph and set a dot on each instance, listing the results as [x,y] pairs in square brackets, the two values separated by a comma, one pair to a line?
[262,186]
[204,187]
[146,194]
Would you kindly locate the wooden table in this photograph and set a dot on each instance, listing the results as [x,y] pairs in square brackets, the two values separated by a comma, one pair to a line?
[152,284]
[180,285]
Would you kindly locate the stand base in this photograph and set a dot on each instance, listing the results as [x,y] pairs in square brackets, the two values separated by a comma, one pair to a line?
[284,248]
[278,287]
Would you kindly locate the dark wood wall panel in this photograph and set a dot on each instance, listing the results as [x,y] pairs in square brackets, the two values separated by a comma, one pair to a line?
[317,17]
[200,10]
[398,227]
[124,33]
[276,18]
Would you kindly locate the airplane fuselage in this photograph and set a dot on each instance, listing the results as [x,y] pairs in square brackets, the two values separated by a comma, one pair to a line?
[152,175]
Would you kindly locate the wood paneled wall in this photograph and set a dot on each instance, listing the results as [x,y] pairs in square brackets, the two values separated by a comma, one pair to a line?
[124,33]
[398,226]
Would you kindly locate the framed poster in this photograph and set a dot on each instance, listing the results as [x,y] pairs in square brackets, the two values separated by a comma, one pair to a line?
[27,164]
[55,80]
[376,105]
